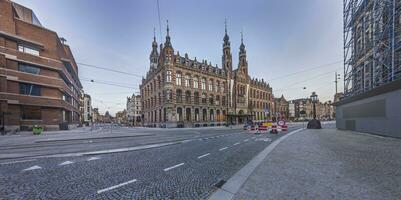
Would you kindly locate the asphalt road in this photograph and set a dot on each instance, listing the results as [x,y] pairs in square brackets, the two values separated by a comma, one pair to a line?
[185,170]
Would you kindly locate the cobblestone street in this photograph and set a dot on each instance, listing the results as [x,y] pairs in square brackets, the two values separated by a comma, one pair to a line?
[186,170]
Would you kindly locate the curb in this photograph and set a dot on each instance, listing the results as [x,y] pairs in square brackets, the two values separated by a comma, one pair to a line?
[91,138]
[232,186]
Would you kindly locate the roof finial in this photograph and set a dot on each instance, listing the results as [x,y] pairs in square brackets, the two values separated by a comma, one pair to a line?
[225,25]
[168,30]
[242,36]
[154,34]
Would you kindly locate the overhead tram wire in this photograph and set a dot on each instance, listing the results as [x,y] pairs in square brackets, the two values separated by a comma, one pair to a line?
[298,82]
[305,70]
[160,24]
[111,84]
[107,69]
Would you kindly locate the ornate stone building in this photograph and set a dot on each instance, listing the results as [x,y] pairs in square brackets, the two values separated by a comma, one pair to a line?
[183,92]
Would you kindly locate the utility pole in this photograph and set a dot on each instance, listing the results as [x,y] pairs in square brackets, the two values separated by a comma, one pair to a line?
[336,78]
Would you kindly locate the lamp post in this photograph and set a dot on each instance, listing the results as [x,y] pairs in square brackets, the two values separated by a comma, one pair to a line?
[314,123]
[314,100]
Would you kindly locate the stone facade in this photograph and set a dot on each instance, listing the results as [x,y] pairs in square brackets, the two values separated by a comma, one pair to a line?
[39,82]
[183,92]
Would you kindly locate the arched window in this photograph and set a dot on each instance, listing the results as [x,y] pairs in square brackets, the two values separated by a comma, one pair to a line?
[187,80]
[211,85]
[168,76]
[203,83]
[196,82]
[204,98]
[196,97]
[211,99]
[178,78]
[188,96]
[217,100]
[178,96]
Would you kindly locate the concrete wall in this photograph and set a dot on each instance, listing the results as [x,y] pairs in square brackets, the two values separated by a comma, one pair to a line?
[380,114]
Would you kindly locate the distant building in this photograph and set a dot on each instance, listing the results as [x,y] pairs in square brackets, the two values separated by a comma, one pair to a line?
[39,82]
[291,110]
[121,117]
[87,115]
[95,115]
[134,110]
[280,108]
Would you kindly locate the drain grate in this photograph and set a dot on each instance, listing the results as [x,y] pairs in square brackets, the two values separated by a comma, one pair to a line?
[220,183]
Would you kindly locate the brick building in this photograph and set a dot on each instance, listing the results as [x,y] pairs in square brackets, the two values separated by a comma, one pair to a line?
[178,91]
[281,108]
[39,82]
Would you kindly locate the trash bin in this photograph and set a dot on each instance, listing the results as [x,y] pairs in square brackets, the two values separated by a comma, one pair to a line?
[37,130]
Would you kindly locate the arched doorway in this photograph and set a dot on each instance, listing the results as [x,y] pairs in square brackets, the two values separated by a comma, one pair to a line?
[188,114]
[179,114]
[240,117]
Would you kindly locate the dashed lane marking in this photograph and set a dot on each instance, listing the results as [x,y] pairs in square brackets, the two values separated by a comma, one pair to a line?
[32,168]
[204,155]
[172,167]
[66,163]
[115,186]
[17,161]
[222,149]
[246,140]
[93,158]
[236,143]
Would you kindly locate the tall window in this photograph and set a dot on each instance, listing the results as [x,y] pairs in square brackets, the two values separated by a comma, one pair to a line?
[31,113]
[27,49]
[178,79]
[203,84]
[204,98]
[223,85]
[29,89]
[210,85]
[28,69]
[179,96]
[196,97]
[168,76]
[196,82]
[217,86]
[187,80]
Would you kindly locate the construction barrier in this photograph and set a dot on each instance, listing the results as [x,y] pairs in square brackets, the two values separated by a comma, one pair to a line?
[274,129]
[284,128]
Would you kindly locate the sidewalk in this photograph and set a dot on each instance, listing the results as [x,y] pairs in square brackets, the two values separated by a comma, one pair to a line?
[325,164]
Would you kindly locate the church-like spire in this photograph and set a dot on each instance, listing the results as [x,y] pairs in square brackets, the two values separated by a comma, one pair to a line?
[168,42]
[242,46]
[226,38]
[154,55]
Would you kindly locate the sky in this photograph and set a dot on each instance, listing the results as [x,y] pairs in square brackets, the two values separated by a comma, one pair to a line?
[290,43]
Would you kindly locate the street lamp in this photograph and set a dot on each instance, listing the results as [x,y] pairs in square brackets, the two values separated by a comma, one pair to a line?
[314,123]
[314,100]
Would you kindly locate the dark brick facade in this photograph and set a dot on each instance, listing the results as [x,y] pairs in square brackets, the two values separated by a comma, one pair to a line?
[25,43]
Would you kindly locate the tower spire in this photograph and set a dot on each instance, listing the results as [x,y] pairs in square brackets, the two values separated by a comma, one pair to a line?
[168,42]
[226,39]
[154,34]
[225,25]
[242,37]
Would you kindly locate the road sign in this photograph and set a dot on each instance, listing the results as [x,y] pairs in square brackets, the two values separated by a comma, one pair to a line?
[281,123]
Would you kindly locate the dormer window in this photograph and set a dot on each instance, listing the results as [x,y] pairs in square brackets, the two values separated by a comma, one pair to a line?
[28,49]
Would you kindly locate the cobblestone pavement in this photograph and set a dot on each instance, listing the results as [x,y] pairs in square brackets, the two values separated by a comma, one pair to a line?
[328,164]
[184,171]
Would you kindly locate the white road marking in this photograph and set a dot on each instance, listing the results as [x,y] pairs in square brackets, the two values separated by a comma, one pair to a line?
[172,167]
[224,148]
[204,155]
[93,158]
[66,163]
[236,143]
[32,168]
[116,186]
[246,140]
[17,161]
